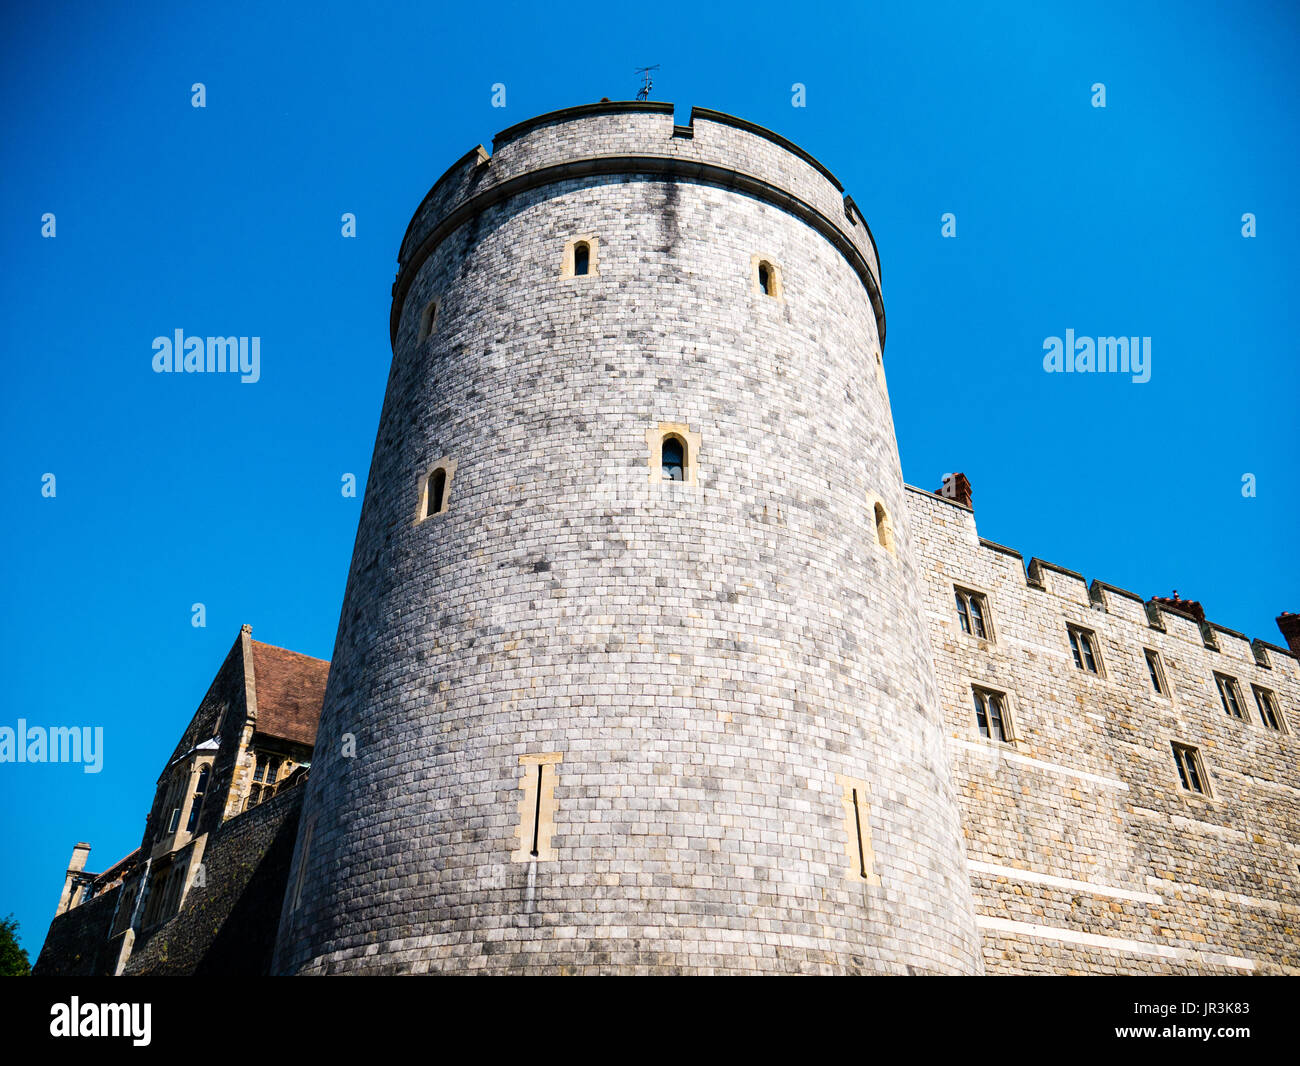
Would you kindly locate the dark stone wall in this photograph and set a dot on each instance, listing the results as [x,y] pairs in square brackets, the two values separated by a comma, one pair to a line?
[228,925]
[77,944]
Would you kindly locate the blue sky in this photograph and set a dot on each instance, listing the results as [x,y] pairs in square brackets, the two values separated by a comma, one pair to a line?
[173,489]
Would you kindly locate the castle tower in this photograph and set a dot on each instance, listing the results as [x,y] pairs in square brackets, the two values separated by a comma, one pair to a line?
[632,672]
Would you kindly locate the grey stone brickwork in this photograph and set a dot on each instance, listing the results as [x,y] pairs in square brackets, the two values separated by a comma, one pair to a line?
[78,942]
[711,661]
[227,925]
[1086,853]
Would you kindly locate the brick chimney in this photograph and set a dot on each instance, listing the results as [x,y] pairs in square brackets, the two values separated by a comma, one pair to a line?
[1192,607]
[957,487]
[1289,623]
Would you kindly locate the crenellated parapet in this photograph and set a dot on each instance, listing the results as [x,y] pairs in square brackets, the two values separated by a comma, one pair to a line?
[621,138]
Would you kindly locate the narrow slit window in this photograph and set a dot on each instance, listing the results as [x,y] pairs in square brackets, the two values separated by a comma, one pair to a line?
[673,455]
[857,824]
[536,808]
[437,491]
[859,857]
[765,278]
[303,852]
[581,258]
[537,812]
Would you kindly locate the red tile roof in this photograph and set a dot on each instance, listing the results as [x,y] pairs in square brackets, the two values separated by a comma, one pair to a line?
[289,689]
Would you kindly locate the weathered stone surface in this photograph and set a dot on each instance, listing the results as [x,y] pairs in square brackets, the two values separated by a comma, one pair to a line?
[227,926]
[709,660]
[1157,879]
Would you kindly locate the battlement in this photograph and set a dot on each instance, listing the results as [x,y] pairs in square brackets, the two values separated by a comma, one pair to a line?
[636,140]
[1157,613]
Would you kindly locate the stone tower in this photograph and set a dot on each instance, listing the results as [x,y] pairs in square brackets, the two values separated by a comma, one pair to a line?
[632,672]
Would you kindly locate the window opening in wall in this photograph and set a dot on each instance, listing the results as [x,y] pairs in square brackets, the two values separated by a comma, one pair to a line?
[437,487]
[1156,670]
[428,319]
[1190,771]
[196,804]
[302,864]
[674,458]
[1229,695]
[581,258]
[857,822]
[1083,646]
[990,715]
[266,773]
[537,811]
[1269,713]
[536,808]
[970,612]
[884,532]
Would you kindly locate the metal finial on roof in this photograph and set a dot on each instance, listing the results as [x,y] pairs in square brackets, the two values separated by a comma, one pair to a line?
[646,84]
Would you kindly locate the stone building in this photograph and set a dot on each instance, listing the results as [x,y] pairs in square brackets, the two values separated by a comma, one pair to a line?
[1127,771]
[653,663]
[209,874]
[649,661]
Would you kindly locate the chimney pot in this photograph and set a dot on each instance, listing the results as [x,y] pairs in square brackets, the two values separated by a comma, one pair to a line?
[957,487]
[1289,623]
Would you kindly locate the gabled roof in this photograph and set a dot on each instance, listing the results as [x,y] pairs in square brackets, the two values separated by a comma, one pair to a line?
[289,689]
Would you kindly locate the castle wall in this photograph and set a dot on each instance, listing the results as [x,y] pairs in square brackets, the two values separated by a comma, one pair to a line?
[708,666]
[227,924]
[77,944]
[1086,853]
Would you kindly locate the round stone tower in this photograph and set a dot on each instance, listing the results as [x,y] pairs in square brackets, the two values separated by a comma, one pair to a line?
[631,673]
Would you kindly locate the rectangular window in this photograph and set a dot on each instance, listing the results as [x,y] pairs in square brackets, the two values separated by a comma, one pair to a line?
[859,858]
[1083,646]
[266,772]
[1269,712]
[1157,671]
[972,613]
[991,714]
[1190,770]
[1230,695]
[536,807]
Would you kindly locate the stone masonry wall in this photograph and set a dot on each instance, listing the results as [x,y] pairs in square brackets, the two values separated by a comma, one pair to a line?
[711,662]
[226,926]
[1086,853]
[77,944]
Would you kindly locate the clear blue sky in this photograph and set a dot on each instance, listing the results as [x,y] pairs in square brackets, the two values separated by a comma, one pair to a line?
[181,489]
